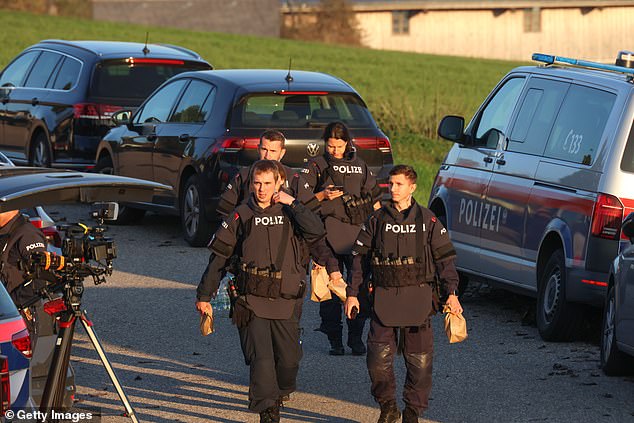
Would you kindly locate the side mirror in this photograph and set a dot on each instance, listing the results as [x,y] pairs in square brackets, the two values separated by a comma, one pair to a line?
[105,210]
[628,227]
[451,128]
[5,92]
[122,117]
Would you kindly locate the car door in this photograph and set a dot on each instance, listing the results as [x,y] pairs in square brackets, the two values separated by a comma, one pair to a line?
[134,157]
[176,138]
[516,161]
[13,76]
[468,212]
[28,105]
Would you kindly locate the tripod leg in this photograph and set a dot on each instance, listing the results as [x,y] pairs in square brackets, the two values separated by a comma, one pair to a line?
[53,395]
[95,342]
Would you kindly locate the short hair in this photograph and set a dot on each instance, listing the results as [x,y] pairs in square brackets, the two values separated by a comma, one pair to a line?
[262,166]
[273,135]
[339,130]
[280,169]
[405,170]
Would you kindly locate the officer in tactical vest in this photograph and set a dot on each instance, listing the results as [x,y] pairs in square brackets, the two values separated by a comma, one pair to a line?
[263,233]
[18,240]
[409,248]
[340,186]
[271,147]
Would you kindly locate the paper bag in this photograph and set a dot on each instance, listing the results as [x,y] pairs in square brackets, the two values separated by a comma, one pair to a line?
[455,326]
[206,324]
[338,287]
[319,285]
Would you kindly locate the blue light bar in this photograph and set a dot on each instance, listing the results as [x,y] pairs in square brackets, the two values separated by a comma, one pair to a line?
[549,59]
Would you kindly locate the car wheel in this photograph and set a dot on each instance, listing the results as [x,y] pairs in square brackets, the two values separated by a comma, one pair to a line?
[40,154]
[127,215]
[557,319]
[613,361]
[197,229]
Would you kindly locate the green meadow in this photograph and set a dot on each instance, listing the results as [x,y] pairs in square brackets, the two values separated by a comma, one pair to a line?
[407,93]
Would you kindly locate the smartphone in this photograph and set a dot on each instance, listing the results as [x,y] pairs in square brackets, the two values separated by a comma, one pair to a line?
[337,188]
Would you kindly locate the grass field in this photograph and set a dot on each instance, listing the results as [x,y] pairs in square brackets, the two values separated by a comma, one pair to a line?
[407,93]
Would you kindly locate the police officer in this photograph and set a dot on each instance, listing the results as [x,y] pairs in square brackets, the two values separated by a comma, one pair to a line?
[341,187]
[408,247]
[18,240]
[271,147]
[264,234]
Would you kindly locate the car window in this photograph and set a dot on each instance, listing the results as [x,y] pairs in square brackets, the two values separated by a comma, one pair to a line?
[577,131]
[300,110]
[627,162]
[7,307]
[125,78]
[497,112]
[41,71]
[68,74]
[158,107]
[536,115]
[14,74]
[195,104]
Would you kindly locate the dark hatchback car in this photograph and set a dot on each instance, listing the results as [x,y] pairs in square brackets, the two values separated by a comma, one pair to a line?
[57,97]
[198,127]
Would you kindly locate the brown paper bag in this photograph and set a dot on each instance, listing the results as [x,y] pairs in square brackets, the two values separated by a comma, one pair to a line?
[319,285]
[338,288]
[455,326]
[206,324]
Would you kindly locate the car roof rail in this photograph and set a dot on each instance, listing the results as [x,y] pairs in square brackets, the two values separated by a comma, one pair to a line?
[69,44]
[549,59]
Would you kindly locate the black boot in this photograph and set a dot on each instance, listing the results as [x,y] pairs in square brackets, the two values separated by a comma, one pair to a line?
[356,344]
[410,415]
[389,412]
[271,414]
[336,346]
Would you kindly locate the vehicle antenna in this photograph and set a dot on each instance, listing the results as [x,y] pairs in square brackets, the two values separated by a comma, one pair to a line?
[145,49]
[289,77]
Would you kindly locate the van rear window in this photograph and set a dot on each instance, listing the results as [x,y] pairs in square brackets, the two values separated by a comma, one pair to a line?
[118,79]
[577,131]
[627,163]
[264,110]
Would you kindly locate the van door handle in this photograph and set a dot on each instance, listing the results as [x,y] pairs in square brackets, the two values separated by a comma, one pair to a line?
[35,101]
[500,161]
[183,137]
[488,160]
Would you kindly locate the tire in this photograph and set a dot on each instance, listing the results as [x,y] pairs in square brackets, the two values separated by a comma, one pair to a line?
[127,215]
[40,153]
[613,361]
[197,229]
[463,284]
[557,319]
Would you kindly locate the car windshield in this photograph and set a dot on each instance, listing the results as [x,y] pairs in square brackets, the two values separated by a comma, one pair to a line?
[7,308]
[118,79]
[300,110]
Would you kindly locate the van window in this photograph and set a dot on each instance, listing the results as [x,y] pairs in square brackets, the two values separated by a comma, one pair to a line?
[15,73]
[497,113]
[577,132]
[41,71]
[536,115]
[627,163]
[68,74]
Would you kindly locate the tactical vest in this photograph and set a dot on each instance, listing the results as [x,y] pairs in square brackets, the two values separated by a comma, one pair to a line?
[12,278]
[357,207]
[389,271]
[272,281]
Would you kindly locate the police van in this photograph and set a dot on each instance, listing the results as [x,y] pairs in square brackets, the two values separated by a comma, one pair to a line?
[535,188]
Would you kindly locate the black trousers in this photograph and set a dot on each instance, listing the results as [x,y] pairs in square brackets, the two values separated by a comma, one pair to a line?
[331,311]
[418,351]
[272,350]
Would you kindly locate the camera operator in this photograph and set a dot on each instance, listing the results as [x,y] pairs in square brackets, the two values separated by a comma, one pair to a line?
[18,240]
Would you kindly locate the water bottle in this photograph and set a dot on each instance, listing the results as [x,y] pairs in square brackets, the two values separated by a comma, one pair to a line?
[222,302]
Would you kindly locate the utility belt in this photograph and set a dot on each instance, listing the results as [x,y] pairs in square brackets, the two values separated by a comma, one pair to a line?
[357,208]
[400,271]
[264,282]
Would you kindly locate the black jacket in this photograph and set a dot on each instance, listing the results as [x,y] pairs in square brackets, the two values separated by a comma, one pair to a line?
[18,240]
[257,242]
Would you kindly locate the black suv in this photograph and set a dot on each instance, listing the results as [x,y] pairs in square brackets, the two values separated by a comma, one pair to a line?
[57,97]
[199,126]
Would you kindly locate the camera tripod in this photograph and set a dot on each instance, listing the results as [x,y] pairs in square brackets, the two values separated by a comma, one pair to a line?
[70,312]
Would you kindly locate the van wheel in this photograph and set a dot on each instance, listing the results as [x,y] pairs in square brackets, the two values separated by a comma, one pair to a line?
[557,319]
[197,229]
[40,154]
[127,215]
[613,361]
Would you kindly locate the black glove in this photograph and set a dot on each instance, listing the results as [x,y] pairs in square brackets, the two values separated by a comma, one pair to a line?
[241,315]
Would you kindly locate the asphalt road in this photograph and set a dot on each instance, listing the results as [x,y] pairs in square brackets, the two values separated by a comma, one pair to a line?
[145,318]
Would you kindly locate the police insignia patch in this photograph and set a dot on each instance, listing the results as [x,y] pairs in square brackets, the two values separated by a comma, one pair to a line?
[433,219]
[236,216]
